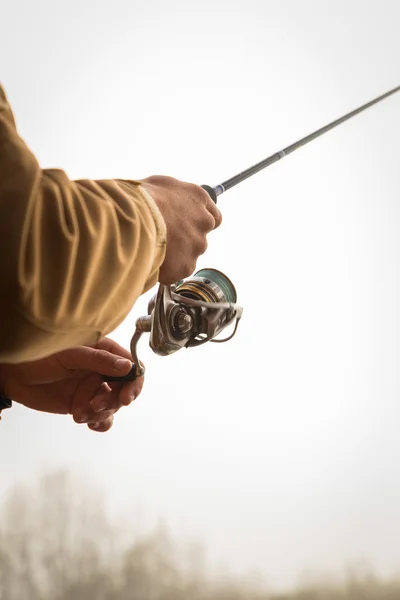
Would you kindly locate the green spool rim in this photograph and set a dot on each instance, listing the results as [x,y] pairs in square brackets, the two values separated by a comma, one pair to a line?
[221,280]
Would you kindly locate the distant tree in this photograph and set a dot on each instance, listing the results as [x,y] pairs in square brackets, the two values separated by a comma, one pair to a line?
[58,543]
[54,540]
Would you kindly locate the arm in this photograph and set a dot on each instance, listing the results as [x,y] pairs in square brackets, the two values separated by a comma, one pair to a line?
[74,255]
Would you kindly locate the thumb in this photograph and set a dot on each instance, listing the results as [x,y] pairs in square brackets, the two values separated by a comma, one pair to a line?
[96,360]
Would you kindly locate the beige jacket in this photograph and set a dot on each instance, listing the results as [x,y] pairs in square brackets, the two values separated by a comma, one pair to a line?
[74,255]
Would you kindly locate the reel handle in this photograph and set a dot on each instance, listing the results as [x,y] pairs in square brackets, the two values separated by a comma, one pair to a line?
[143,324]
[131,376]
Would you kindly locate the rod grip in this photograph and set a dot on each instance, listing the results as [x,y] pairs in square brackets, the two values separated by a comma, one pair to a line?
[211,192]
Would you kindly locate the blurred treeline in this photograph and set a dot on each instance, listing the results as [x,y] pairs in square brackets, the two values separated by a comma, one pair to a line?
[57,542]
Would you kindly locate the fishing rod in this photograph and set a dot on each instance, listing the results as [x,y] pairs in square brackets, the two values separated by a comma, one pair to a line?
[219,189]
[196,310]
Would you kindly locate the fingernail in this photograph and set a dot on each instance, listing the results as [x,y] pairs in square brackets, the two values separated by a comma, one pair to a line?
[99,406]
[82,419]
[122,363]
[95,425]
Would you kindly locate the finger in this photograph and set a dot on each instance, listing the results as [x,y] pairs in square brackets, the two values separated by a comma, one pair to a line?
[121,395]
[96,360]
[87,415]
[216,213]
[207,221]
[200,246]
[102,403]
[102,426]
[131,391]
[87,389]
[111,346]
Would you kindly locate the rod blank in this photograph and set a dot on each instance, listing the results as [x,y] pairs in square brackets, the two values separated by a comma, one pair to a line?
[229,183]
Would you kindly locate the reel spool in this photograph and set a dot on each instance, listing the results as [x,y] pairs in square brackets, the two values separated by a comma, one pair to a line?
[186,314]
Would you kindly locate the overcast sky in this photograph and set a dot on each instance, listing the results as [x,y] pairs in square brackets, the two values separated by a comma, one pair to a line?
[280,450]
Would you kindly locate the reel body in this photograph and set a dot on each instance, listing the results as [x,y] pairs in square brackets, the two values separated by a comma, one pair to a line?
[192,312]
[186,314]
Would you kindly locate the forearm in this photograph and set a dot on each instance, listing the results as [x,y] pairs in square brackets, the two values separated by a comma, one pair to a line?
[74,256]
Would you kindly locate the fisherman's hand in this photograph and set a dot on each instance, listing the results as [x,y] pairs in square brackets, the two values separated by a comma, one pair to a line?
[189,214]
[69,382]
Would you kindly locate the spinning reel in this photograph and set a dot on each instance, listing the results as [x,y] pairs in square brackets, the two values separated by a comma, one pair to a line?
[186,314]
[194,311]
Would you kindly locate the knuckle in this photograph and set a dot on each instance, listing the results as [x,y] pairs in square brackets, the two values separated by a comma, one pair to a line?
[98,354]
[218,218]
[215,213]
[201,246]
[199,194]
[188,267]
[157,179]
[209,222]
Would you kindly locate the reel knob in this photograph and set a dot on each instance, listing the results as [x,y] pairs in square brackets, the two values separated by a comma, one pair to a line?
[184,322]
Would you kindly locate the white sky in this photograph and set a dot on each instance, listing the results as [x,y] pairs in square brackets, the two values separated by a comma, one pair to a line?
[280,450]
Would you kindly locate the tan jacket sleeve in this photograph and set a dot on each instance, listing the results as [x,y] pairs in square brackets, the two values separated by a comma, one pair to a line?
[74,255]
